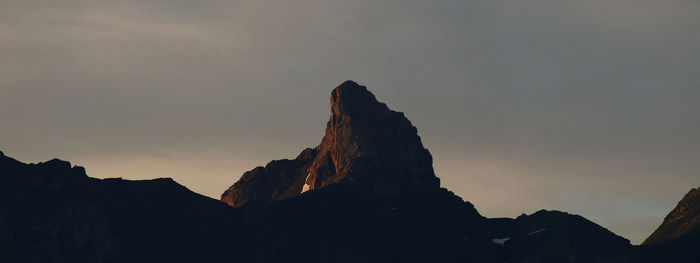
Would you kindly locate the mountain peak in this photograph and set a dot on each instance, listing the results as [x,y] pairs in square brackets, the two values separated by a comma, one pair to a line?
[370,146]
[350,98]
[56,163]
[367,146]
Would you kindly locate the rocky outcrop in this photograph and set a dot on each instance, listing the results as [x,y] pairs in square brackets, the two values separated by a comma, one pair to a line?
[375,150]
[278,180]
[682,220]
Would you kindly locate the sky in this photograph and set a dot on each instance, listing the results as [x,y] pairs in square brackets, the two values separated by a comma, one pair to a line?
[589,107]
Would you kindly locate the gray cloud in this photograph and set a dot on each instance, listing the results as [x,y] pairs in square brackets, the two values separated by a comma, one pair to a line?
[584,106]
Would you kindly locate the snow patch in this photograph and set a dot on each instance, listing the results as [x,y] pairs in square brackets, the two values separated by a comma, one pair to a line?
[537,231]
[500,241]
[306,186]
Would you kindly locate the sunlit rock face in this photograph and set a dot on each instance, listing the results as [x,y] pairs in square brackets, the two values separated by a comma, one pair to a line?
[373,149]
[278,180]
[683,220]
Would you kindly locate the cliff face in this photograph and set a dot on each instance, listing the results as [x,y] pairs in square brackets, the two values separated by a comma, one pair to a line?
[683,220]
[373,149]
[278,180]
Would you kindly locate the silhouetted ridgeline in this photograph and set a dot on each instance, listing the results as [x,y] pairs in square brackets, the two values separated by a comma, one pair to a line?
[366,193]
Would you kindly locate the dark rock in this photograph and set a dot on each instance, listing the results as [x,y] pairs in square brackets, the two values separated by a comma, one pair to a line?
[554,236]
[55,164]
[50,212]
[373,149]
[278,180]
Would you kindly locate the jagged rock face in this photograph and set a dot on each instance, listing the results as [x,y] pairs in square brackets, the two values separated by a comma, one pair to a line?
[368,146]
[278,180]
[684,219]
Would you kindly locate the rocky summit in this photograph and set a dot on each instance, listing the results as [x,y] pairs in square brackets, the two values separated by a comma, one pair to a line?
[373,149]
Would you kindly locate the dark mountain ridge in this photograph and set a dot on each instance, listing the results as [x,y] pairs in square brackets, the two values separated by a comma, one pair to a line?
[333,203]
[52,212]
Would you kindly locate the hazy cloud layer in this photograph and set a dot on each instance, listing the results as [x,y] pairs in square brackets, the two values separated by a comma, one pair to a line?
[589,107]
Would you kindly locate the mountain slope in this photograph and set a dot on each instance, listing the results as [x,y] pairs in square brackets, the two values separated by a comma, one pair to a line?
[677,239]
[553,236]
[682,220]
[52,212]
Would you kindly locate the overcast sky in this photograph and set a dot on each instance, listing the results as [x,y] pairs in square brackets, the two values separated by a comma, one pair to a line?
[590,107]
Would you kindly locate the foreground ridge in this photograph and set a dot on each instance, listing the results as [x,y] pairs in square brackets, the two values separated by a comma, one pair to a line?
[54,212]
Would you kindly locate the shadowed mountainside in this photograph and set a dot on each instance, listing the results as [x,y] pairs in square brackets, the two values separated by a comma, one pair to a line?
[52,212]
[367,193]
